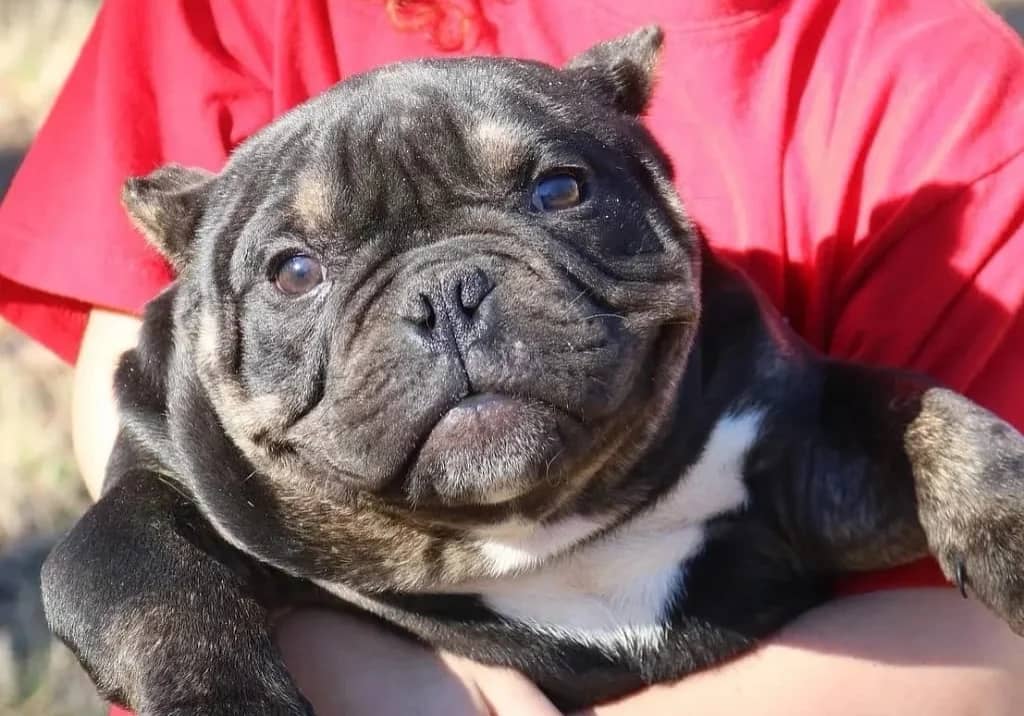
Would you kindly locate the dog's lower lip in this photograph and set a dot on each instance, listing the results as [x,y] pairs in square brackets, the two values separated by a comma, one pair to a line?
[475,421]
[481,411]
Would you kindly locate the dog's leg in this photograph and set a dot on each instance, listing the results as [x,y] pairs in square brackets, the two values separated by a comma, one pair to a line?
[160,612]
[889,468]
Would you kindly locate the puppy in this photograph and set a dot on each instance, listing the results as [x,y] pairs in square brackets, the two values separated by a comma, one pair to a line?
[445,348]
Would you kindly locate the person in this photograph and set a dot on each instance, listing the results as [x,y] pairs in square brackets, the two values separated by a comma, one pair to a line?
[862,161]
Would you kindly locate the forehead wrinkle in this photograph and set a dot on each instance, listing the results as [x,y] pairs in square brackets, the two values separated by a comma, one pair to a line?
[225,234]
[261,226]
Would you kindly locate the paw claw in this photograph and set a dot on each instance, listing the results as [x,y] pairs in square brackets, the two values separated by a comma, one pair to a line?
[961,578]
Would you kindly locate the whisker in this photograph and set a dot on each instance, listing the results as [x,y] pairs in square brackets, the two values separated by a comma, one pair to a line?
[604,315]
[547,473]
[571,303]
[173,485]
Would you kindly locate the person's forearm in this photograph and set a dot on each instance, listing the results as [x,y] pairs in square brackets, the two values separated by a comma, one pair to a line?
[93,410]
[924,651]
[921,651]
[348,667]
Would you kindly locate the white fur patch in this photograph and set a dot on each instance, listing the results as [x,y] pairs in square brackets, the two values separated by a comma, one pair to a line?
[517,546]
[616,591]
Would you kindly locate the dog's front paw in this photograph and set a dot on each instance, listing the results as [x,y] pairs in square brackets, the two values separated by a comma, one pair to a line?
[969,472]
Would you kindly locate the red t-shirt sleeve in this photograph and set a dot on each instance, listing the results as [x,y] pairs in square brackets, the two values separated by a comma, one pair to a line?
[155,82]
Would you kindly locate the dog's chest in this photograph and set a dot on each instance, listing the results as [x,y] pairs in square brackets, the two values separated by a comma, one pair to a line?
[616,590]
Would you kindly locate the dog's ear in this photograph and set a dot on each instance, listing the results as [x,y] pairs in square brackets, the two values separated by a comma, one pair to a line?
[622,71]
[166,206]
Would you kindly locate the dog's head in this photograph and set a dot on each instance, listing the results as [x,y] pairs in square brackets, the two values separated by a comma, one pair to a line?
[464,287]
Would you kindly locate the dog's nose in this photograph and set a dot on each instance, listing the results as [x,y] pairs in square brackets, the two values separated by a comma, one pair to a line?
[449,304]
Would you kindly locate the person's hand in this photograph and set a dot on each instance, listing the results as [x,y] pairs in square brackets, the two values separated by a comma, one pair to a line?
[922,651]
[346,666]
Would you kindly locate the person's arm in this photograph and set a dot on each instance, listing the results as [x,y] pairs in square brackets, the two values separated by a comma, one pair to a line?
[921,651]
[926,650]
[108,334]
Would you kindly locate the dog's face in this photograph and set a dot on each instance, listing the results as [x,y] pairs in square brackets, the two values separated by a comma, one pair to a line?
[464,287]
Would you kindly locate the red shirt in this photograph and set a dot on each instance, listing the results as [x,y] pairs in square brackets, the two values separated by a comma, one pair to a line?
[862,160]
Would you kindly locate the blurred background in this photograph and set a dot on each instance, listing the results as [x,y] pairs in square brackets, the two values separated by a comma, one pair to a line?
[40,492]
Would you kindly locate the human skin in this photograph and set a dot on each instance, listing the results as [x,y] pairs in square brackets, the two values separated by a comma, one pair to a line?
[902,651]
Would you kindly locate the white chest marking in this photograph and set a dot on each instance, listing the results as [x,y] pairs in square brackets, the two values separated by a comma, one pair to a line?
[615,591]
[515,547]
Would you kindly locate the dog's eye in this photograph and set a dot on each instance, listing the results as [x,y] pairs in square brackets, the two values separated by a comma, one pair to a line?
[298,274]
[557,191]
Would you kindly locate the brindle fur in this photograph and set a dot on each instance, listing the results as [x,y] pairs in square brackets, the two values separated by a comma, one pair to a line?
[271,442]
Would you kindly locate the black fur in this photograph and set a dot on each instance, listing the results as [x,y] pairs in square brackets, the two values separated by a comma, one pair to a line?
[271,440]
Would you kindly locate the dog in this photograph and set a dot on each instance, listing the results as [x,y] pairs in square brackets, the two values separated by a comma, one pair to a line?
[445,348]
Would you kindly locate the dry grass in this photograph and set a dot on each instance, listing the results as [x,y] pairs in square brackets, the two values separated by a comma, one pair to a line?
[40,492]
[39,40]
[40,488]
